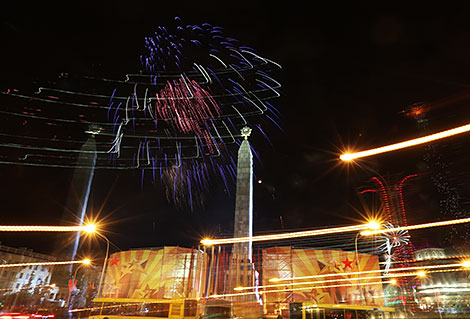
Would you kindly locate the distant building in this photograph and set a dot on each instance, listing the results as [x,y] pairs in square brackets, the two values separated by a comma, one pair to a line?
[430,253]
[443,291]
[28,278]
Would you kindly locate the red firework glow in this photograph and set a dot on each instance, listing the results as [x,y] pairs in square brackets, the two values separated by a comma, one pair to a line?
[186,105]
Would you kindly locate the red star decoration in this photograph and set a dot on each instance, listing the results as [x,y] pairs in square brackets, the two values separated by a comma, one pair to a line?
[114,261]
[347,263]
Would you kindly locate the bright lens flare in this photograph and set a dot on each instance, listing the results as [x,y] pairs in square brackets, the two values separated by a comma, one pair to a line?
[307,233]
[86,261]
[393,281]
[90,228]
[87,228]
[419,226]
[413,142]
[421,274]
[466,264]
[207,241]
[374,225]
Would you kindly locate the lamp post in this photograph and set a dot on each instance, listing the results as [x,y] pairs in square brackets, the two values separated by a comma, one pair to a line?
[394,282]
[104,264]
[371,225]
[358,268]
[86,262]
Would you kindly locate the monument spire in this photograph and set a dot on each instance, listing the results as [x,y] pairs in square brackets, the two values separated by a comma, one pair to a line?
[244,198]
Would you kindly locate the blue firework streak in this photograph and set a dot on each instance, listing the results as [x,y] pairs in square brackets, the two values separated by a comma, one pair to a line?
[197,90]
[178,120]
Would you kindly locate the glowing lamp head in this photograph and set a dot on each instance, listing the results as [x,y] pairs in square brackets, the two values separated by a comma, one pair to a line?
[86,261]
[373,225]
[346,157]
[90,228]
[466,264]
[207,242]
[393,281]
[421,274]
[238,288]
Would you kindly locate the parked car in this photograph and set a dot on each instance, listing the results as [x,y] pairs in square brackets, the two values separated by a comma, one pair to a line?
[41,314]
[15,315]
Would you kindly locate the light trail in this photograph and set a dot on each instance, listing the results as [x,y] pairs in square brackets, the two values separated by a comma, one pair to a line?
[401,145]
[467,257]
[419,226]
[307,233]
[329,281]
[50,263]
[86,228]
[463,264]
[304,288]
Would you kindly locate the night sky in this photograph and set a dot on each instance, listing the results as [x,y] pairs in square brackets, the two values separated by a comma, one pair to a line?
[348,73]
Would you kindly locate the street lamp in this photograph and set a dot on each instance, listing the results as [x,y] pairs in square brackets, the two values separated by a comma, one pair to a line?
[394,282]
[104,264]
[372,225]
[94,229]
[85,262]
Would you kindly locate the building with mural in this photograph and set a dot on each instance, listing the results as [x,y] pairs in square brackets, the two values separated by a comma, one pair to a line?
[307,266]
[154,273]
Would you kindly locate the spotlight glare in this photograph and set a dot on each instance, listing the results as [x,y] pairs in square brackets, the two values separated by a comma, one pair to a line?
[207,242]
[90,228]
[374,225]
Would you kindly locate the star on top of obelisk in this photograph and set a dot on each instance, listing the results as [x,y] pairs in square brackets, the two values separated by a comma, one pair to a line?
[246,131]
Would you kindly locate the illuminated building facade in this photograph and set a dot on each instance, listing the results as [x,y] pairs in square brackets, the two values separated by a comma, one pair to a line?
[445,292]
[17,279]
[288,262]
[157,273]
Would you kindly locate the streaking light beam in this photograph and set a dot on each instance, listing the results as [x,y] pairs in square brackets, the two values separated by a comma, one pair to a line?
[413,142]
[327,281]
[440,266]
[301,289]
[419,226]
[307,233]
[85,228]
[50,263]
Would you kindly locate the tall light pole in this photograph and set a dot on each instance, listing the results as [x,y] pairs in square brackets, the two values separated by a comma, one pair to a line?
[359,269]
[372,225]
[100,292]
[394,282]
[86,262]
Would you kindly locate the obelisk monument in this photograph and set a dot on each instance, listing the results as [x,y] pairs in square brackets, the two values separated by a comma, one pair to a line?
[243,225]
